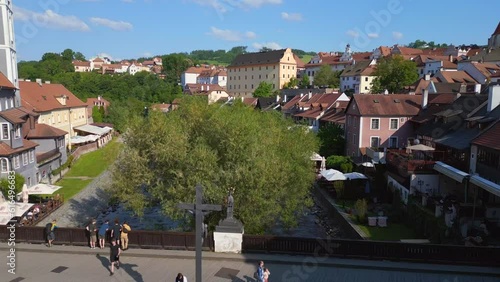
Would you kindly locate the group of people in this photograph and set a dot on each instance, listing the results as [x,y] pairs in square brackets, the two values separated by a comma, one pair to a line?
[263,273]
[118,233]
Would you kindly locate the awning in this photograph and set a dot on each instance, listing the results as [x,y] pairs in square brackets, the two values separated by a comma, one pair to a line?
[487,185]
[42,189]
[84,139]
[355,175]
[93,129]
[450,171]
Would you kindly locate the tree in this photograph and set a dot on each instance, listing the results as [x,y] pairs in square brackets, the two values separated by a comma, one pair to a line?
[341,163]
[332,140]
[291,84]
[97,114]
[5,185]
[166,156]
[79,56]
[305,82]
[265,49]
[327,77]
[393,74]
[265,89]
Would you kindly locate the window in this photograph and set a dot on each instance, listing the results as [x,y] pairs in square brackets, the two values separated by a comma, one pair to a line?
[5,131]
[58,118]
[25,158]
[259,76]
[374,141]
[349,120]
[6,103]
[366,78]
[252,86]
[393,142]
[354,139]
[260,68]
[274,75]
[266,67]
[17,133]
[375,123]
[4,165]
[16,161]
[283,75]
[394,123]
[32,156]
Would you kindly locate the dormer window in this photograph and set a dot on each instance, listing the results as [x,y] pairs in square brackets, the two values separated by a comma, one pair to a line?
[17,133]
[5,131]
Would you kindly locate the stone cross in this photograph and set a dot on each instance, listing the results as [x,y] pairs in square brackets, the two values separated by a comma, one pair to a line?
[199,210]
[230,205]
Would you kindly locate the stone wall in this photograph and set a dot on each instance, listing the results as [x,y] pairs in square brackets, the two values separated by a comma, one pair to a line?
[337,215]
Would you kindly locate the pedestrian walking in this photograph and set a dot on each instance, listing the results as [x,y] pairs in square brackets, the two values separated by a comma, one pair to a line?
[102,234]
[92,229]
[114,256]
[116,231]
[181,278]
[266,274]
[124,236]
[259,274]
[49,229]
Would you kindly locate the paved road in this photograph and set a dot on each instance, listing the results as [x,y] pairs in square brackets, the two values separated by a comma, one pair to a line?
[77,211]
[39,263]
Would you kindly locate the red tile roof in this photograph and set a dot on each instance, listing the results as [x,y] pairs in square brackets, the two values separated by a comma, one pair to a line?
[497,31]
[162,107]
[5,82]
[81,64]
[334,115]
[43,98]
[193,88]
[250,101]
[387,105]
[43,131]
[290,104]
[6,150]
[455,77]
[490,138]
[17,115]
[361,56]
[409,51]
[300,63]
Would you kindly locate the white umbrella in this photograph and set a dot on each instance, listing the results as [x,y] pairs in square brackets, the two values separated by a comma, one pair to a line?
[332,175]
[4,220]
[420,147]
[355,175]
[316,157]
[368,164]
[2,198]
[43,189]
[25,193]
[22,208]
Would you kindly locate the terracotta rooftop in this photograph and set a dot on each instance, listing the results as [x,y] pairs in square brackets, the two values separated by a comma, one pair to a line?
[160,106]
[356,69]
[300,63]
[386,105]
[43,131]
[6,150]
[487,69]
[409,51]
[81,64]
[361,56]
[455,77]
[497,31]
[43,98]
[489,138]
[258,58]
[202,88]
[5,82]
[17,115]
[250,101]
[296,99]
[334,115]
[422,84]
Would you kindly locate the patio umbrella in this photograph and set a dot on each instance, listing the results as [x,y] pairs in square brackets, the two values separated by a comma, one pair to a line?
[316,157]
[22,208]
[420,147]
[333,175]
[368,164]
[4,220]
[42,189]
[355,175]
[25,193]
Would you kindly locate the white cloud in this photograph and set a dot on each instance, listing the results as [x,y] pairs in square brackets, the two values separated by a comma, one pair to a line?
[50,19]
[270,45]
[372,35]
[291,17]
[222,6]
[397,35]
[116,25]
[352,33]
[230,35]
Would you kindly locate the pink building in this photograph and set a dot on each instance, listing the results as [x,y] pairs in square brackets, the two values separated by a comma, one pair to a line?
[376,122]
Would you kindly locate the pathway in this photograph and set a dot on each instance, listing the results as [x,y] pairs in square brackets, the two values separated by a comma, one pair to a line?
[76,211]
[36,262]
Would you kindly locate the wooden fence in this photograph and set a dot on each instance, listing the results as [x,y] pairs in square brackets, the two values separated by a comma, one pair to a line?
[361,249]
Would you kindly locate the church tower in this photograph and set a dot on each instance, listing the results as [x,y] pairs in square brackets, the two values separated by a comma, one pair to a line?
[494,41]
[8,57]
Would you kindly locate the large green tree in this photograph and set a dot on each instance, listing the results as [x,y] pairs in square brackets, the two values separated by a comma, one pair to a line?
[332,140]
[265,89]
[305,82]
[327,77]
[393,74]
[166,156]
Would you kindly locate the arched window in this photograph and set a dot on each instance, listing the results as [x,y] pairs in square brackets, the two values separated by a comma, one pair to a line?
[4,165]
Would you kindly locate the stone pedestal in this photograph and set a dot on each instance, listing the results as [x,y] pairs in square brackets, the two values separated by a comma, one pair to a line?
[228,236]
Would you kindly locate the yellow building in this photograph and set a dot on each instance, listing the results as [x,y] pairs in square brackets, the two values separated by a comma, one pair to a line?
[57,106]
[248,70]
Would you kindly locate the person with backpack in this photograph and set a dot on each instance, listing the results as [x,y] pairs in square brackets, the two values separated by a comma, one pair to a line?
[49,229]
[124,235]
[92,229]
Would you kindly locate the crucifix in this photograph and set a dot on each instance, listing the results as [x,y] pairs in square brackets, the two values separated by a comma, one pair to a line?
[199,209]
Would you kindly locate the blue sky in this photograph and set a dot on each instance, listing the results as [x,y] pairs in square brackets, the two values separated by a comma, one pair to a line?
[133,28]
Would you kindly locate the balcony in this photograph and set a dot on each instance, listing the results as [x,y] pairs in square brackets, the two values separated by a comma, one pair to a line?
[404,164]
[376,154]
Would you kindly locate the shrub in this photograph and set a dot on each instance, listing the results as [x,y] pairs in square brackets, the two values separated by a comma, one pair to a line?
[67,164]
[18,184]
[339,189]
[361,207]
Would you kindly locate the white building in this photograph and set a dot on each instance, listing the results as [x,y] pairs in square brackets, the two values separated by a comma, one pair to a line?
[8,55]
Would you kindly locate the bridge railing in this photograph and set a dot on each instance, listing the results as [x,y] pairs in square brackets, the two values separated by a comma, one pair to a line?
[361,249]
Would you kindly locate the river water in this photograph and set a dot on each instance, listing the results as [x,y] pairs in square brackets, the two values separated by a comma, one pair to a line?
[313,223]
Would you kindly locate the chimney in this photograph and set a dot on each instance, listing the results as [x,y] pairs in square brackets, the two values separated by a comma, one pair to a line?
[99,98]
[208,87]
[463,88]
[427,77]
[301,95]
[309,96]
[493,98]
[277,98]
[21,79]
[477,88]
[284,98]
[386,92]
[451,58]
[202,87]
[28,80]
[47,82]
[39,81]
[425,98]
